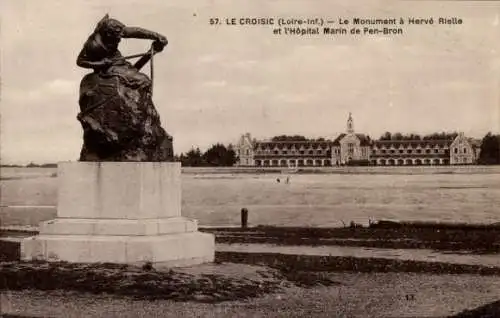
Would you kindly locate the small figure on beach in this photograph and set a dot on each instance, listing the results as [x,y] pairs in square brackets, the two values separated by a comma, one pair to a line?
[117,114]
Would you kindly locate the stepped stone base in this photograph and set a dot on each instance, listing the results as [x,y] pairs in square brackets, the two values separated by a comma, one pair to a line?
[180,249]
[123,212]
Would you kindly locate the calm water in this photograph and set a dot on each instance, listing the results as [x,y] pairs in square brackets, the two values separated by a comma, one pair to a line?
[314,199]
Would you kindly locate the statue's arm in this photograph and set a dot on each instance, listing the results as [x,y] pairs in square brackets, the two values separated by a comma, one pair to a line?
[140,33]
[159,43]
[85,62]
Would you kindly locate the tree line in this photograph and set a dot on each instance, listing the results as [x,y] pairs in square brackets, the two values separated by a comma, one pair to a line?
[294,138]
[217,155]
[435,136]
[30,165]
[490,150]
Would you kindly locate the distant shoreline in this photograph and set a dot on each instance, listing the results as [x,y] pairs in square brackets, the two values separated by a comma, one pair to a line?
[348,170]
[11,173]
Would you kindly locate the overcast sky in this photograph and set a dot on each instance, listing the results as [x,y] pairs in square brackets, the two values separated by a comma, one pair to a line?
[213,83]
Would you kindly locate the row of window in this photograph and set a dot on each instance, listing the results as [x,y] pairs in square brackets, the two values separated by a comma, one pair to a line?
[461,160]
[408,151]
[350,151]
[260,148]
[418,151]
[409,162]
[412,147]
[291,152]
[299,163]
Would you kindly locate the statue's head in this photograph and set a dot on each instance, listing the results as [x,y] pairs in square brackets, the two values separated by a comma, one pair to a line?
[109,28]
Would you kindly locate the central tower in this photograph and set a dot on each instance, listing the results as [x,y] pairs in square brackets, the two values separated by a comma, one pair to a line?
[350,124]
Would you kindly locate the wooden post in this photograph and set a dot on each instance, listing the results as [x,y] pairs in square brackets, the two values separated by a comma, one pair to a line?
[244,218]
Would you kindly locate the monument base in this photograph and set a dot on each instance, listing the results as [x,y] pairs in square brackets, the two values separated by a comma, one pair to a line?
[171,250]
[126,213]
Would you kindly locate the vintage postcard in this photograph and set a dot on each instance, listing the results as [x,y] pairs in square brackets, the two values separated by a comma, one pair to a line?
[265,158]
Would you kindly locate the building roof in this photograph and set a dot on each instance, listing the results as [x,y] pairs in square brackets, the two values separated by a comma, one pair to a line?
[337,140]
[414,143]
[297,144]
[364,139]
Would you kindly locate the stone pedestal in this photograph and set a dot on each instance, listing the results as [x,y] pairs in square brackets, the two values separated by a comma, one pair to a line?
[120,212]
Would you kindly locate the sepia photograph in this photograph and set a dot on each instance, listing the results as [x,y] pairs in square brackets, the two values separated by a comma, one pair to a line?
[265,158]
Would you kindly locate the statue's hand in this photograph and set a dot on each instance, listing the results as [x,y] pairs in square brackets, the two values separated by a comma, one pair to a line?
[107,62]
[162,39]
[103,64]
[158,46]
[160,43]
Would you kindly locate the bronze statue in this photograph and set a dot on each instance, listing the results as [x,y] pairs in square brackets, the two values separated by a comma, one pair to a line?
[118,117]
